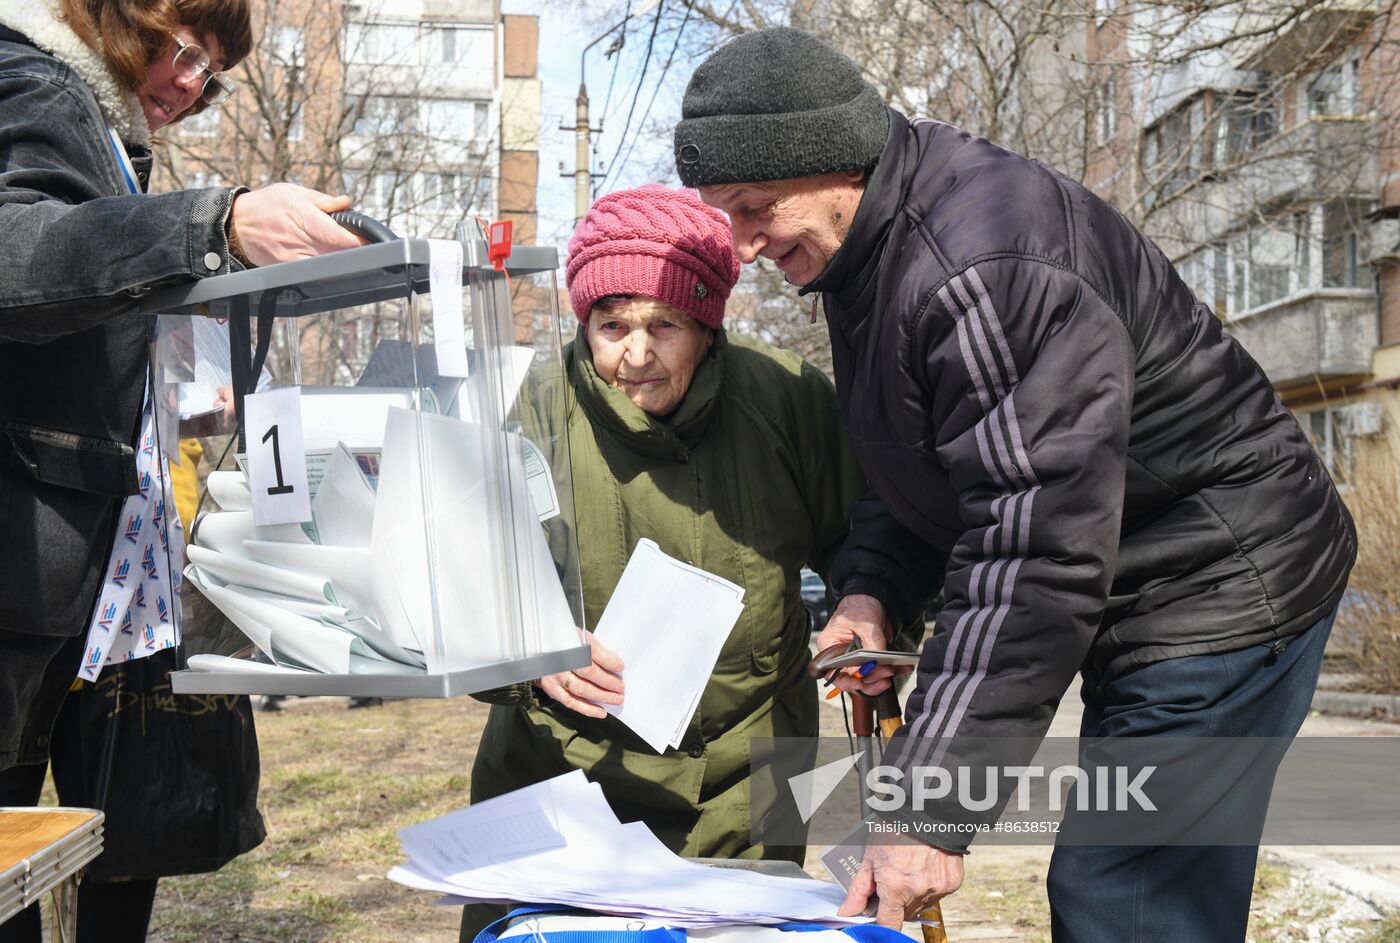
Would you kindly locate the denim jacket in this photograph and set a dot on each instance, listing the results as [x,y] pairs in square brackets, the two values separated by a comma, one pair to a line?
[76,252]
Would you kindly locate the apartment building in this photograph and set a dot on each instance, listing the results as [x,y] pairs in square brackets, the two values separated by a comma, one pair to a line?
[426,112]
[1263,160]
[416,108]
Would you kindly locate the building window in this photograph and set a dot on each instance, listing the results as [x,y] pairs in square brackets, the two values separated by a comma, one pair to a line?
[1268,262]
[458,193]
[1327,429]
[1343,261]
[1204,273]
[464,45]
[455,119]
[1324,246]
[388,194]
[382,43]
[1336,90]
[289,46]
[1108,110]
[203,125]
[290,124]
[1244,121]
[1172,152]
[383,115]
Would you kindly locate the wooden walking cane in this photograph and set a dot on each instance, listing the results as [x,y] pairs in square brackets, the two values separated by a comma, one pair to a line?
[864,712]
[884,707]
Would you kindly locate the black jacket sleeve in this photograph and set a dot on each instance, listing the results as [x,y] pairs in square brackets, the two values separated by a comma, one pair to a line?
[1028,374]
[884,559]
[74,253]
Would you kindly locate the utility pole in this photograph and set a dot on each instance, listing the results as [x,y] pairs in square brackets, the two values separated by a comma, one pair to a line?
[583,175]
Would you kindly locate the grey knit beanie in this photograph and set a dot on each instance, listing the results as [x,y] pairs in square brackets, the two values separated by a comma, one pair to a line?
[774,104]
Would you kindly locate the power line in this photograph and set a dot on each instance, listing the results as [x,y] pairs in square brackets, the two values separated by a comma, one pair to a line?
[646,62]
[660,82]
[626,15]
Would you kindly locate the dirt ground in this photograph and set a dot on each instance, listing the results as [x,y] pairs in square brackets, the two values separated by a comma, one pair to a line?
[337,783]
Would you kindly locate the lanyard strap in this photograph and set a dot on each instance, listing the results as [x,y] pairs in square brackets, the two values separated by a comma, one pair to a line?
[123,161]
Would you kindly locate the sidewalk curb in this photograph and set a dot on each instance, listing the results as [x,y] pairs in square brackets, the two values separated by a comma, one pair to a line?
[1377,893]
[1357,704]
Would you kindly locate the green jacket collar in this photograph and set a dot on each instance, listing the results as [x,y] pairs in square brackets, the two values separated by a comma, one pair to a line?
[609,408]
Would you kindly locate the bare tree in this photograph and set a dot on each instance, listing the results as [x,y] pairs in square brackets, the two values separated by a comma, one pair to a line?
[334,98]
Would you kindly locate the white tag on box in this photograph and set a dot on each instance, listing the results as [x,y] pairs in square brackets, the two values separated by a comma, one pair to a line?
[449,323]
[276,457]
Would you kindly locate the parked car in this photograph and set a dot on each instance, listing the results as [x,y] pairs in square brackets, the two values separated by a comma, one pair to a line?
[814,598]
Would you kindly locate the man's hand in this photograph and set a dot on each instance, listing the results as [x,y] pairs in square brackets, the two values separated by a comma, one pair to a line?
[908,877]
[283,221]
[863,618]
[600,682]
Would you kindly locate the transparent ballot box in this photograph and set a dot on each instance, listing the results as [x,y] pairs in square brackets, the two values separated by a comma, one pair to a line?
[386,504]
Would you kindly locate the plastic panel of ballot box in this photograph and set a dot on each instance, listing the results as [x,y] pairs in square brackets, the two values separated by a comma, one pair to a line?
[391,509]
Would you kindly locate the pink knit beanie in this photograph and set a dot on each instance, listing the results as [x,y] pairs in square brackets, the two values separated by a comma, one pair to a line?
[658,243]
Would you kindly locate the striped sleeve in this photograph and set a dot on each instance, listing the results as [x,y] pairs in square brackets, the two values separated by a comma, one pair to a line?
[1031,394]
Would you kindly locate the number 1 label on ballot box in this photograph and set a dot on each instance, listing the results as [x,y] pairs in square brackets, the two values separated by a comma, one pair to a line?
[276,457]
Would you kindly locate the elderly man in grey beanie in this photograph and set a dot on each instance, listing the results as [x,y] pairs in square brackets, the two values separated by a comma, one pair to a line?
[1060,437]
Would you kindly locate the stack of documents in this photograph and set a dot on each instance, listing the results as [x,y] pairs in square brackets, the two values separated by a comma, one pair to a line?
[558,842]
[667,621]
[297,591]
[399,570]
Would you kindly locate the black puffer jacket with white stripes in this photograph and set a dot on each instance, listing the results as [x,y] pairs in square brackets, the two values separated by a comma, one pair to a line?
[1061,437]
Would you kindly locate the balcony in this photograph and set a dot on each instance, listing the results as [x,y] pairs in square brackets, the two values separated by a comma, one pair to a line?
[1330,156]
[1322,335]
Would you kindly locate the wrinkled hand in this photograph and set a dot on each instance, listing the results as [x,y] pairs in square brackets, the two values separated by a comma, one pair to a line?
[908,877]
[283,221]
[863,618]
[600,682]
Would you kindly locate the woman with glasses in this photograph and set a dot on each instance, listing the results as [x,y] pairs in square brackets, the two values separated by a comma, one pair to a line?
[83,86]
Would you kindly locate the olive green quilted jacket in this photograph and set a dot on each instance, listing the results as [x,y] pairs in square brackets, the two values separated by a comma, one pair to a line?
[751,478]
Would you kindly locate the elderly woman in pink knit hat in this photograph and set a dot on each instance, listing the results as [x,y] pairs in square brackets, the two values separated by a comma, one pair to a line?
[726,452]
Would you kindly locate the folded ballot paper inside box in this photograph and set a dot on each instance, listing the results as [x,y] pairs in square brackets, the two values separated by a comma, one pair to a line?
[429,547]
[559,843]
[375,586]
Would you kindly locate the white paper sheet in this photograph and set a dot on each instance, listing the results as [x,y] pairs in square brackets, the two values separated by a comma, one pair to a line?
[293,640]
[607,866]
[242,572]
[496,830]
[276,457]
[343,508]
[279,634]
[512,365]
[344,570]
[471,606]
[354,415]
[208,662]
[225,531]
[449,326]
[667,621]
[229,489]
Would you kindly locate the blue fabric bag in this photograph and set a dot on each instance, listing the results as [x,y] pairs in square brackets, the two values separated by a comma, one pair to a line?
[549,924]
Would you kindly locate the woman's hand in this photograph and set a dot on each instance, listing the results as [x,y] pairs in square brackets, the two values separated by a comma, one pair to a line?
[585,689]
[862,618]
[283,221]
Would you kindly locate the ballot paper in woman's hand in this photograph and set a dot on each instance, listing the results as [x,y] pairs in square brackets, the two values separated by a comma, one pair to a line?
[667,621]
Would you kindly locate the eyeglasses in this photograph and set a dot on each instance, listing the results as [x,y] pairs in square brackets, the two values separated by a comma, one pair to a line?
[191,60]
